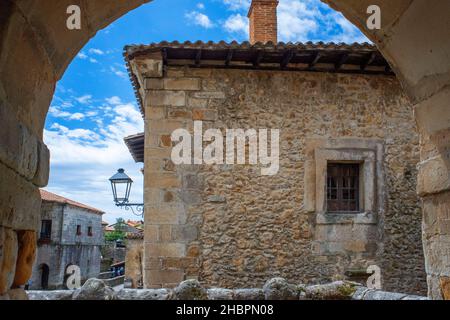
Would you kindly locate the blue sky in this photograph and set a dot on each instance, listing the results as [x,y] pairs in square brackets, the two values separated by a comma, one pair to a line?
[94,105]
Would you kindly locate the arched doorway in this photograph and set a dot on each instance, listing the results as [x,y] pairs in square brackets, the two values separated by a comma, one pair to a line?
[45,273]
[413,38]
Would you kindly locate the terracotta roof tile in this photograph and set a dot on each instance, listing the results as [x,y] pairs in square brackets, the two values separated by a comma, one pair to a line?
[51,197]
[340,57]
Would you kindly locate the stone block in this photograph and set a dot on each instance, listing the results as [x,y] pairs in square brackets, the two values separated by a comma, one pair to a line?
[156,153]
[209,95]
[165,140]
[204,114]
[18,294]
[162,180]
[25,258]
[154,84]
[8,257]
[149,68]
[220,294]
[187,84]
[197,102]
[167,126]
[280,289]
[165,250]
[155,113]
[163,214]
[184,233]
[165,233]
[41,176]
[20,201]
[165,98]
[178,263]
[151,233]
[155,277]
[249,294]
[144,294]
[179,113]
[190,290]
[433,177]
[445,287]
[28,161]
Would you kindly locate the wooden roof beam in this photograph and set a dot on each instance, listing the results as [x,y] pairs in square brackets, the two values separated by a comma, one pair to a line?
[315,60]
[369,61]
[198,57]
[229,57]
[341,61]
[287,57]
[258,58]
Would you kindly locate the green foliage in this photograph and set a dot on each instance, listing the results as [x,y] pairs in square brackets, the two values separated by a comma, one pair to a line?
[114,235]
[120,225]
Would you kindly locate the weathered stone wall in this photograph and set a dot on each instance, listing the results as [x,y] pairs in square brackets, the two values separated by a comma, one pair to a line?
[229,226]
[134,261]
[66,248]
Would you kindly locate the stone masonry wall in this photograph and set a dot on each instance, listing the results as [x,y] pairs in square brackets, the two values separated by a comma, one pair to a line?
[65,247]
[229,226]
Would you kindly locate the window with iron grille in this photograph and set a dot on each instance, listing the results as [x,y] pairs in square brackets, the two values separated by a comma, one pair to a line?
[90,231]
[46,230]
[343,187]
[78,230]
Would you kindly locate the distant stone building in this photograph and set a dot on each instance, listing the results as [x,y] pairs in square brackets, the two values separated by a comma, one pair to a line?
[71,234]
[344,196]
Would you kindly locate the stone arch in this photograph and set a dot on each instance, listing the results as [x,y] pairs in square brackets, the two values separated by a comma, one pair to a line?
[35,51]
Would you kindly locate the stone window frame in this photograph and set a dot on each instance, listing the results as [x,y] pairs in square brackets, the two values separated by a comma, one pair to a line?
[369,153]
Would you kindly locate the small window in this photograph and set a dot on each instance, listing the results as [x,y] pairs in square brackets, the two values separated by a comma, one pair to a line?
[46,230]
[89,231]
[343,187]
[78,230]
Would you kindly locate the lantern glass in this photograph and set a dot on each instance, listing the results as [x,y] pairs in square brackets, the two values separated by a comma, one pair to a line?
[121,186]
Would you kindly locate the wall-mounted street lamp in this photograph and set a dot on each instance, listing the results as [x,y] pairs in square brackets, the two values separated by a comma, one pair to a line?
[121,187]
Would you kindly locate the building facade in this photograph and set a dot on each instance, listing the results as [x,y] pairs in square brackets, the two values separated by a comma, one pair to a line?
[71,234]
[343,198]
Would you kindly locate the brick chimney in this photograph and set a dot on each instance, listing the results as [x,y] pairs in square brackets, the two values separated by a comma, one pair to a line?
[263,21]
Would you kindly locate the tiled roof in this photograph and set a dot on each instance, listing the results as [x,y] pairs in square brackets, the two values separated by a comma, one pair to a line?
[309,56]
[135,144]
[51,197]
[210,45]
[136,235]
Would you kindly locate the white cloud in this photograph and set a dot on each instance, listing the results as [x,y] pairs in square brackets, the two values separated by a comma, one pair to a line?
[91,113]
[114,100]
[83,134]
[200,6]
[84,99]
[82,55]
[57,113]
[76,116]
[119,73]
[237,24]
[199,19]
[82,160]
[96,51]
[107,148]
[92,60]
[299,21]
[237,4]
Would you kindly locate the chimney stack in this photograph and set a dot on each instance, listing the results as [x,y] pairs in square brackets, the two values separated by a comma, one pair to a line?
[263,21]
